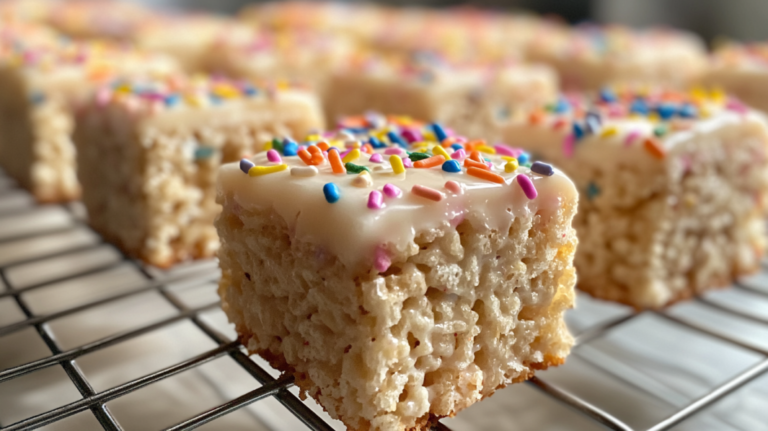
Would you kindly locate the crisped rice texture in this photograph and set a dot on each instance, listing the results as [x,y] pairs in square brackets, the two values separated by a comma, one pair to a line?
[462,312]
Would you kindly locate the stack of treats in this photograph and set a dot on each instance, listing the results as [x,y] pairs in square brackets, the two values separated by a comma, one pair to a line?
[382,185]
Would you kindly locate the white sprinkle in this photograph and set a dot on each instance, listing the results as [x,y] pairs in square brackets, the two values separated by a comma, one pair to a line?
[363,179]
[304,171]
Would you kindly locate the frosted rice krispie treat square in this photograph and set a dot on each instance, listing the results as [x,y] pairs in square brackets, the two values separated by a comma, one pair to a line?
[590,57]
[399,283]
[149,150]
[41,81]
[673,184]
[428,87]
[741,71]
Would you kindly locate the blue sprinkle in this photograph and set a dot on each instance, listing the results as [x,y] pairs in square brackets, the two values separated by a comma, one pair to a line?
[250,91]
[246,165]
[290,148]
[334,148]
[523,158]
[666,111]
[639,106]
[542,169]
[171,100]
[397,139]
[439,132]
[216,100]
[331,192]
[688,111]
[356,130]
[607,95]
[562,106]
[203,152]
[452,166]
[37,98]
[375,143]
[592,123]
[457,147]
[578,131]
[592,190]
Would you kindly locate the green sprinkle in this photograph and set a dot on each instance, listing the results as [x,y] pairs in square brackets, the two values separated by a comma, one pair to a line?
[203,152]
[416,156]
[355,169]
[660,130]
[277,145]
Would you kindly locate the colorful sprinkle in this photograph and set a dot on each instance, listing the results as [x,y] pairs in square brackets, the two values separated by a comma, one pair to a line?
[485,175]
[246,165]
[394,150]
[304,171]
[452,166]
[459,154]
[511,166]
[274,157]
[469,163]
[527,186]
[355,169]
[440,151]
[290,148]
[454,187]
[264,170]
[375,200]
[407,162]
[427,192]
[331,192]
[335,160]
[653,147]
[375,158]
[351,155]
[439,132]
[542,169]
[504,150]
[397,140]
[363,180]
[417,156]
[397,164]
[392,191]
[631,137]
[429,162]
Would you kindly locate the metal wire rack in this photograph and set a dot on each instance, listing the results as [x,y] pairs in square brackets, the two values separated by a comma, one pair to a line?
[96,402]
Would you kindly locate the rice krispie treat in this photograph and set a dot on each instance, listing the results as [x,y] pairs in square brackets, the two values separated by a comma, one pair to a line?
[149,150]
[674,188]
[588,58]
[188,37]
[429,87]
[29,11]
[98,19]
[299,56]
[40,82]
[401,274]
[742,71]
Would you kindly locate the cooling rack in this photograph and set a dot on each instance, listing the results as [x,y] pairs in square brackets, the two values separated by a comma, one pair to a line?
[19,223]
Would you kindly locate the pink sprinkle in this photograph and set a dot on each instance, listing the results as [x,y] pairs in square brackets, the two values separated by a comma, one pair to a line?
[345,153]
[736,106]
[631,136]
[459,154]
[274,156]
[392,191]
[381,260]
[460,139]
[103,96]
[527,185]
[375,200]
[375,158]
[454,187]
[407,162]
[568,142]
[302,147]
[393,150]
[489,164]
[449,132]
[411,135]
[503,150]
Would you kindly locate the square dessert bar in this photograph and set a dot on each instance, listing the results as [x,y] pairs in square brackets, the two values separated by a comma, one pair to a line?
[741,71]
[429,87]
[41,81]
[148,152]
[398,283]
[674,189]
[588,58]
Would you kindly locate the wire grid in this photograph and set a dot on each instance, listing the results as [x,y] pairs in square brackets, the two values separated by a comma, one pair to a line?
[271,387]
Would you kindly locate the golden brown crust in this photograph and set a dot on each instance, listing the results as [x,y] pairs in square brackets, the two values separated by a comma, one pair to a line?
[306,386]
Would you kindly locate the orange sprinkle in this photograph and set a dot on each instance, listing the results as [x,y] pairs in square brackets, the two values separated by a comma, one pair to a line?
[317,159]
[430,162]
[469,163]
[305,156]
[469,146]
[336,165]
[485,175]
[313,150]
[447,142]
[558,124]
[323,146]
[475,155]
[653,147]
[427,192]
[368,149]
[536,117]
[355,121]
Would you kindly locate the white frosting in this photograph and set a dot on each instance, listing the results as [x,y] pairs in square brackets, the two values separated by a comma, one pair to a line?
[352,231]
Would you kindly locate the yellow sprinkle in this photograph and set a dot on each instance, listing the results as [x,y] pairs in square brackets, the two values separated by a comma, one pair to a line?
[717,94]
[704,112]
[225,91]
[439,150]
[511,166]
[263,170]
[194,100]
[653,117]
[352,155]
[282,85]
[509,158]
[486,149]
[267,146]
[424,149]
[123,88]
[429,136]
[380,134]
[397,164]
[609,131]
[313,138]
